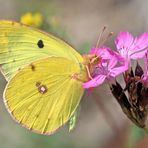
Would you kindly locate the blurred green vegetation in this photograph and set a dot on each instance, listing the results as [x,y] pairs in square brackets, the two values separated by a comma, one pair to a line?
[49,11]
[135,135]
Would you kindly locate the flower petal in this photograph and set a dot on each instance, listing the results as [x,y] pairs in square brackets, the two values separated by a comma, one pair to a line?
[118,70]
[142,41]
[138,55]
[117,65]
[94,51]
[112,64]
[124,40]
[104,52]
[139,47]
[95,82]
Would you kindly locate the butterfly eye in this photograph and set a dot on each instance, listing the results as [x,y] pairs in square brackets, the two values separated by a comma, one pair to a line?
[40,44]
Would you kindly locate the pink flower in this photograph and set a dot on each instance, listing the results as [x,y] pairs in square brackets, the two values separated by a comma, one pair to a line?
[112,64]
[145,75]
[131,48]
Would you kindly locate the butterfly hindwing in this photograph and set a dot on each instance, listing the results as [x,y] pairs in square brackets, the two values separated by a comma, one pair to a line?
[44,95]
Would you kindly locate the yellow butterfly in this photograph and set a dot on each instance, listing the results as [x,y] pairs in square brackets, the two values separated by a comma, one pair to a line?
[44,75]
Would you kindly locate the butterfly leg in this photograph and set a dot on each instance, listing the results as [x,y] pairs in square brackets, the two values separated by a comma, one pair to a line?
[88,72]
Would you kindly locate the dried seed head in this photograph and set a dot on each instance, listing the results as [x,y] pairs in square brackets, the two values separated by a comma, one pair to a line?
[135,104]
[138,70]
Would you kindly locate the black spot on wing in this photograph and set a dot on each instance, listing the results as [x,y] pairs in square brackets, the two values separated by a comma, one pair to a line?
[40,44]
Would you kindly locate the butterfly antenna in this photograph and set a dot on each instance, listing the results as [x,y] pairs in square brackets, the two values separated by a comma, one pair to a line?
[100,44]
[100,36]
[108,36]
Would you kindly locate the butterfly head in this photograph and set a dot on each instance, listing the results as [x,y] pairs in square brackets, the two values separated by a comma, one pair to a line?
[91,60]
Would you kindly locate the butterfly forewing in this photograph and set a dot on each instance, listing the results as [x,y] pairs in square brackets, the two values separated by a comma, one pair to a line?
[20,45]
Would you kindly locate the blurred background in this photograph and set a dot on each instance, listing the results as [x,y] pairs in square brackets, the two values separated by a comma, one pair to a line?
[101,122]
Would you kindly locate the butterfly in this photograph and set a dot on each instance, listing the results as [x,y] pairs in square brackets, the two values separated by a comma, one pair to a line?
[44,75]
